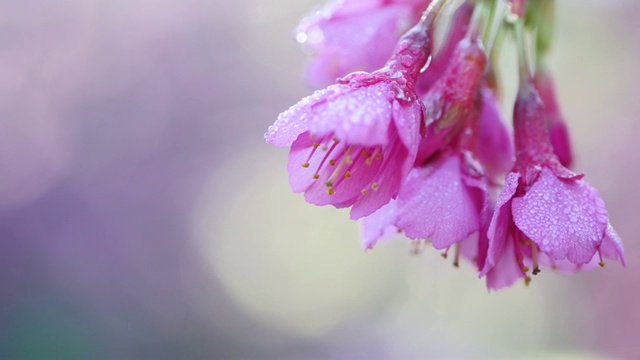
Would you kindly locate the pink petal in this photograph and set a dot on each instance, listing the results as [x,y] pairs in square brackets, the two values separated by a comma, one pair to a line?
[379,226]
[386,184]
[559,135]
[500,228]
[611,246]
[358,37]
[435,203]
[565,266]
[495,145]
[408,118]
[295,120]
[507,270]
[567,219]
[357,116]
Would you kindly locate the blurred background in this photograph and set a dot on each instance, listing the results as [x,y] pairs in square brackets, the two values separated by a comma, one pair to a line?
[143,217]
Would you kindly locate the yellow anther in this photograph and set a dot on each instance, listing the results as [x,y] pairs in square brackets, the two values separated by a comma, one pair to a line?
[337,141]
[368,161]
[525,269]
[332,162]
[527,280]
[364,192]
[305,165]
[347,174]
[601,263]
[364,153]
[374,187]
[348,160]
[330,191]
[444,255]
[329,183]
[315,145]
[378,156]
[316,176]
[325,148]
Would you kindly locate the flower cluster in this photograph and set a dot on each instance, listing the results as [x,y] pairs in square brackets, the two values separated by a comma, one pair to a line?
[413,141]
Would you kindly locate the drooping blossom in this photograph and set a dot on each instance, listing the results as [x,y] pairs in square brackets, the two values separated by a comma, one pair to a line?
[451,101]
[354,35]
[545,214]
[444,197]
[353,143]
[558,131]
[457,31]
[443,202]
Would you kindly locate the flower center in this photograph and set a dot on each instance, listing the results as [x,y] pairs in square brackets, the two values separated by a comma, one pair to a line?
[337,163]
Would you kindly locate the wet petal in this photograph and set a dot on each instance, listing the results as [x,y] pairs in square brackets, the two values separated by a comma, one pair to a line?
[435,203]
[567,219]
[501,224]
[379,226]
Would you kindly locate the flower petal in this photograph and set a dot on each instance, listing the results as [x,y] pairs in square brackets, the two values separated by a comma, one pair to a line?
[435,203]
[379,225]
[611,246]
[358,116]
[567,219]
[499,228]
[495,146]
[507,270]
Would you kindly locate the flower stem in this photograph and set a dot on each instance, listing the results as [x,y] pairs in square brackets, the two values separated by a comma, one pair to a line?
[523,62]
[489,24]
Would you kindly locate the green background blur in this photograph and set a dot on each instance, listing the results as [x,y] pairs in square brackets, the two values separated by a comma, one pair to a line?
[143,217]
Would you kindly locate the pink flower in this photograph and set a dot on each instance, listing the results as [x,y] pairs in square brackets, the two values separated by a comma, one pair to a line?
[457,31]
[353,143]
[545,214]
[354,35]
[445,196]
[558,131]
[452,100]
[442,201]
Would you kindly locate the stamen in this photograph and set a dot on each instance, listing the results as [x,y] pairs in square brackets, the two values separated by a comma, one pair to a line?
[456,256]
[326,156]
[332,162]
[352,163]
[525,269]
[374,186]
[364,192]
[316,176]
[534,257]
[416,248]
[330,191]
[527,280]
[313,151]
[601,263]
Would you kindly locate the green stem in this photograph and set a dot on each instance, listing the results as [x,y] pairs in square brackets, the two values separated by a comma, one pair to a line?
[523,62]
[489,24]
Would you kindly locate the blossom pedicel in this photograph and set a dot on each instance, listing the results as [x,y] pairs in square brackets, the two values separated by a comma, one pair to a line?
[416,145]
